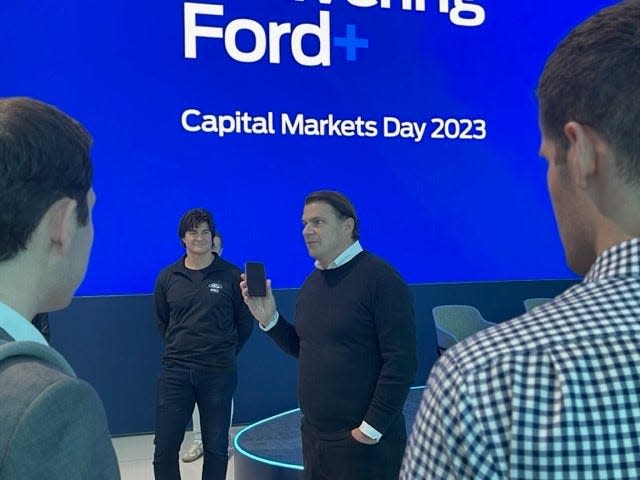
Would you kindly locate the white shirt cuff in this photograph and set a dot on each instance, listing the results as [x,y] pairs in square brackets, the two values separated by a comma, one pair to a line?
[271,324]
[369,431]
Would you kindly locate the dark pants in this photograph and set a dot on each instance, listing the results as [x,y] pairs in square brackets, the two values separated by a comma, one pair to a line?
[338,456]
[178,389]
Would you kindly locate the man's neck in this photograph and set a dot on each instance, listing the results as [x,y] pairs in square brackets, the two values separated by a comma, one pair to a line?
[19,288]
[198,262]
[322,265]
[12,297]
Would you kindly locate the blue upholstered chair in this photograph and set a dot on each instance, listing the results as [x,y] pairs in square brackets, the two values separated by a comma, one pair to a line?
[531,303]
[455,323]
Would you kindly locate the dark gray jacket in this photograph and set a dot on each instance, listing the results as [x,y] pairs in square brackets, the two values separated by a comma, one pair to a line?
[52,424]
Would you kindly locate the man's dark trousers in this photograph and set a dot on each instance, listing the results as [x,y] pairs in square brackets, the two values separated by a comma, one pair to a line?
[177,391]
[338,456]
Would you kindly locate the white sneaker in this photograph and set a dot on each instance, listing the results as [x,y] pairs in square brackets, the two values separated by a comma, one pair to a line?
[194,453]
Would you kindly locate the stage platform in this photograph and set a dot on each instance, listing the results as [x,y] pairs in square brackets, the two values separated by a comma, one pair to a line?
[271,448]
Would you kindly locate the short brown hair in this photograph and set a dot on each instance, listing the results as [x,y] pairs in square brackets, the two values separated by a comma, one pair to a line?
[340,204]
[44,156]
[593,77]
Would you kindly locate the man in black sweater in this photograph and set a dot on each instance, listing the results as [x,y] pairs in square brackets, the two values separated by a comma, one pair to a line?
[354,337]
[204,323]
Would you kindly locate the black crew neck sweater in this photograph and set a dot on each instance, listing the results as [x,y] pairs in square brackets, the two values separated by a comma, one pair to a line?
[354,336]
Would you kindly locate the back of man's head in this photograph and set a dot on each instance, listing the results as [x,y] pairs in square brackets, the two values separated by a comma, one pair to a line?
[593,77]
[44,156]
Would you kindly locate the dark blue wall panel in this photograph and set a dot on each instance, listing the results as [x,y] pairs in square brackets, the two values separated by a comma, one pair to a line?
[112,342]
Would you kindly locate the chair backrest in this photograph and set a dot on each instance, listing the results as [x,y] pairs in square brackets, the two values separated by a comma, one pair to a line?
[531,303]
[456,322]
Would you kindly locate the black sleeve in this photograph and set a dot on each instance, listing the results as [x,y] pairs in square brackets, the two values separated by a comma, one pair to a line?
[242,316]
[396,332]
[161,305]
[285,336]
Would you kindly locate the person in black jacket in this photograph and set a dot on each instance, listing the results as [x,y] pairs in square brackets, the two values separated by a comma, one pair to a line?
[354,337]
[195,451]
[204,322]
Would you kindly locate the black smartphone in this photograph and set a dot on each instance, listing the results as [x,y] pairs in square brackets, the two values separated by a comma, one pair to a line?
[256,281]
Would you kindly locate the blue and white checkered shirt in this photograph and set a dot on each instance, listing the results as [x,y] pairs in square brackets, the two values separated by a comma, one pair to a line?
[552,394]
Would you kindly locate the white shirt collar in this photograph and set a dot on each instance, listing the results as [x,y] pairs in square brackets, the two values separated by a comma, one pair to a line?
[351,251]
[19,327]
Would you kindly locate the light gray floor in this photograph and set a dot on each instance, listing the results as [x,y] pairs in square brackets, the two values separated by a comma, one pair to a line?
[135,454]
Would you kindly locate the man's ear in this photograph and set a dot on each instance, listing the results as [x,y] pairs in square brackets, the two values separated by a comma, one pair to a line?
[582,153]
[62,223]
[349,224]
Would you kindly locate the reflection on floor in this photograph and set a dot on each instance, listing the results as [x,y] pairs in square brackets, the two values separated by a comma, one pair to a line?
[135,454]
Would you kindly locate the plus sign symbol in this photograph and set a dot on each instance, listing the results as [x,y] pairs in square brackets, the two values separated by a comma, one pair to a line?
[351,42]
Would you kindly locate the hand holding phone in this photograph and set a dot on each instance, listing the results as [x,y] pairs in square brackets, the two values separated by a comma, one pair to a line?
[256,280]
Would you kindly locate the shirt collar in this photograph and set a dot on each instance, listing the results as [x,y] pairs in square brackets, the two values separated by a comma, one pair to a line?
[351,251]
[19,327]
[622,259]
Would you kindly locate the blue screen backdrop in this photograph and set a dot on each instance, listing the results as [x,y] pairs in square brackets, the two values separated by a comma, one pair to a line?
[422,112]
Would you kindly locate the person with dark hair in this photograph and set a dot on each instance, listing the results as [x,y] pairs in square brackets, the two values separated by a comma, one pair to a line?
[554,393]
[195,451]
[204,324]
[53,424]
[354,338]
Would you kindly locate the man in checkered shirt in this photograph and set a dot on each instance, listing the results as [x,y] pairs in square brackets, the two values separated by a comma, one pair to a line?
[555,393]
